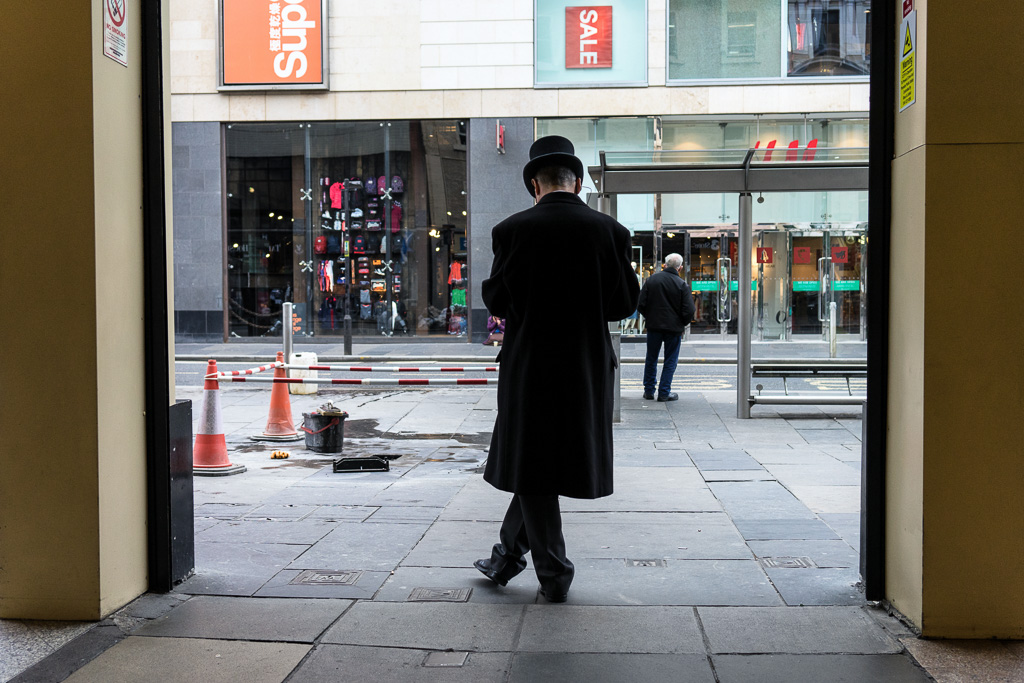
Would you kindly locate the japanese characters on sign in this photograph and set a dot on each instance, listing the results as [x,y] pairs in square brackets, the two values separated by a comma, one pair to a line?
[273,44]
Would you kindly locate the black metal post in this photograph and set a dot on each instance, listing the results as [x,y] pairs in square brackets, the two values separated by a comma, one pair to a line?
[161,483]
[873,445]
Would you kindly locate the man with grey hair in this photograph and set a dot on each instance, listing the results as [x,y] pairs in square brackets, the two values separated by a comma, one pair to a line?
[667,305]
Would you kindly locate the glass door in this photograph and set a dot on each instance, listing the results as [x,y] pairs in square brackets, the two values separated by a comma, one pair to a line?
[706,262]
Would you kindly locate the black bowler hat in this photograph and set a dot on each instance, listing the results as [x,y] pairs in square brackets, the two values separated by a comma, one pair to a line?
[551,150]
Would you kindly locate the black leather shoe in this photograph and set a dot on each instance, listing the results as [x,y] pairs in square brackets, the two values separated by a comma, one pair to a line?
[648,397]
[501,578]
[671,396]
[554,597]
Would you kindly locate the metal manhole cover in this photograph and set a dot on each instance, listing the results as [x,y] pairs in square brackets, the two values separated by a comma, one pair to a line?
[439,595]
[326,577]
[787,563]
[646,563]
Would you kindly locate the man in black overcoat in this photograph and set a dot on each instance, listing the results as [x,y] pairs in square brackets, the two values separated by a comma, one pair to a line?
[667,305]
[561,273]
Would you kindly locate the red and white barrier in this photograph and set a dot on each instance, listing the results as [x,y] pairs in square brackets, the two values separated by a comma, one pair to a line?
[250,371]
[362,368]
[462,381]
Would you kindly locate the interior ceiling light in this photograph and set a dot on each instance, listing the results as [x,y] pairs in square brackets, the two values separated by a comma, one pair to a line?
[252,189]
[271,214]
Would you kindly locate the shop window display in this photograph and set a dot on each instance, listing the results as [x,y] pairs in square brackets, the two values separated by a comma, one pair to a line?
[768,39]
[366,199]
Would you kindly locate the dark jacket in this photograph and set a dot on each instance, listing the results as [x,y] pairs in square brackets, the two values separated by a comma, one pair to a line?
[553,432]
[666,302]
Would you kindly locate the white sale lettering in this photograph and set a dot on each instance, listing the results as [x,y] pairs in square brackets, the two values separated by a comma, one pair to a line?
[587,29]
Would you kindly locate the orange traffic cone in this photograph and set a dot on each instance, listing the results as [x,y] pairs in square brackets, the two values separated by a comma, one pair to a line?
[279,424]
[210,453]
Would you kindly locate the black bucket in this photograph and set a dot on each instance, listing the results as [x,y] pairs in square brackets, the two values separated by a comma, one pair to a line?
[324,433]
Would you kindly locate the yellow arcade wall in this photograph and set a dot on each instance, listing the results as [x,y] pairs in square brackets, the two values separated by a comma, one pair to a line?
[955,489]
[73,466]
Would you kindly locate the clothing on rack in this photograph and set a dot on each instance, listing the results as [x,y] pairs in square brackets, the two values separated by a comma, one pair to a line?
[455,272]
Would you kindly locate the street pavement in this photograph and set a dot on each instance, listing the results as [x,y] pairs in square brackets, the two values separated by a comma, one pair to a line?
[729,552]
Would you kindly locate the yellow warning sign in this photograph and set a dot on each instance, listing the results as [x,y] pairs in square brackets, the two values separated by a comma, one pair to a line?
[908,94]
[908,61]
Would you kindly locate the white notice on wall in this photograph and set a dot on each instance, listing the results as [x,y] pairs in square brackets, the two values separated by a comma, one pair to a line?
[114,38]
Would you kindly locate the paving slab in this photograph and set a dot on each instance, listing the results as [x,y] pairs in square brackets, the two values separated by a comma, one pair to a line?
[478,500]
[794,630]
[418,493]
[828,499]
[759,500]
[336,492]
[816,668]
[720,459]
[429,626]
[652,457]
[829,472]
[186,660]
[835,586]
[237,568]
[272,619]
[352,664]
[736,475]
[342,513]
[643,489]
[673,535]
[404,580]
[60,664]
[665,630]
[406,514]
[824,554]
[305,532]
[281,585]
[453,544]
[969,661]
[676,582]
[529,667]
[784,529]
[366,546]
[846,525]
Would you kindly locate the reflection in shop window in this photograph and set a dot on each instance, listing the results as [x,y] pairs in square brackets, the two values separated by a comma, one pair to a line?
[829,37]
[761,39]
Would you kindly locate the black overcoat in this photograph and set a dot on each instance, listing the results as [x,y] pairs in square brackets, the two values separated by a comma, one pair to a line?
[561,272]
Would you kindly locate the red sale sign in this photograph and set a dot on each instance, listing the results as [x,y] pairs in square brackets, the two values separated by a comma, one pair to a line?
[801,255]
[588,37]
[764,254]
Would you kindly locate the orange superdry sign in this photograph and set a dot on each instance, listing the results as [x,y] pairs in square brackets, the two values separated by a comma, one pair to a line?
[588,37]
[273,43]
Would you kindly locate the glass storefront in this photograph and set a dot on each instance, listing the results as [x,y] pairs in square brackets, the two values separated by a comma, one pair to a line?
[768,39]
[364,218]
[808,246]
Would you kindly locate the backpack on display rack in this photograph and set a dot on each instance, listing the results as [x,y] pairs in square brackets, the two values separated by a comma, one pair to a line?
[396,216]
[320,245]
[333,245]
[370,186]
[397,186]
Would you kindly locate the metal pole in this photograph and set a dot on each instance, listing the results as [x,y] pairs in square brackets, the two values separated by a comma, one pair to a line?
[832,329]
[286,323]
[746,240]
[348,327]
[604,205]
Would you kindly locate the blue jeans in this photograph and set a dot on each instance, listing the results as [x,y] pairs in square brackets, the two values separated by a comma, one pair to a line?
[654,341]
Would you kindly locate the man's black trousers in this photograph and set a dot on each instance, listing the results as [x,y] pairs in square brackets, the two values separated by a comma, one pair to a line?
[534,524]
